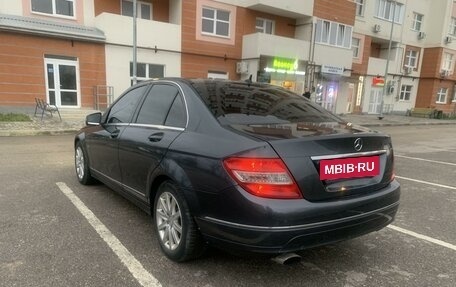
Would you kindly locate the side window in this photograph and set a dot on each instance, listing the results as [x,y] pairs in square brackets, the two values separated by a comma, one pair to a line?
[157,104]
[124,108]
[177,116]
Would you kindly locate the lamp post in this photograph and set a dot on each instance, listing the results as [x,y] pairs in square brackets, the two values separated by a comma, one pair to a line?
[385,86]
[134,72]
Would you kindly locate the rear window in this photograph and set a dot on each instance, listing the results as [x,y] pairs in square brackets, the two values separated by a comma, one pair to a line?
[243,103]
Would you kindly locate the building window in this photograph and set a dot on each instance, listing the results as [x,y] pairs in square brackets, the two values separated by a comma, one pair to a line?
[441,96]
[147,71]
[334,34]
[216,22]
[411,59]
[447,64]
[63,8]
[452,26]
[406,91]
[384,10]
[417,21]
[359,7]
[355,47]
[143,9]
[264,26]
[454,95]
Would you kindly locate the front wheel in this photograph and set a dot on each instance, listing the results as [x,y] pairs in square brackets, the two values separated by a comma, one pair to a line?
[81,165]
[177,233]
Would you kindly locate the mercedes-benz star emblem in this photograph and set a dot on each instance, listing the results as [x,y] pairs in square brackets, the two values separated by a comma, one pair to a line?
[358,144]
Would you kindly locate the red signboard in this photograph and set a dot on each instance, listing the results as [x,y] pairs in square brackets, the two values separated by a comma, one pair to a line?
[349,167]
[378,82]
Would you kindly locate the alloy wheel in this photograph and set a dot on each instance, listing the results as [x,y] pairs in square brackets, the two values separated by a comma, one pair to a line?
[169,221]
[79,159]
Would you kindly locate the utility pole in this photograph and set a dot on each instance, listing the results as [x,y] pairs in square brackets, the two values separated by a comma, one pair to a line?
[385,85]
[134,76]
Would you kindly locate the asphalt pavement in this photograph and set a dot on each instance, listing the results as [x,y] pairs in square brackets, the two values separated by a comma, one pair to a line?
[73,120]
[57,232]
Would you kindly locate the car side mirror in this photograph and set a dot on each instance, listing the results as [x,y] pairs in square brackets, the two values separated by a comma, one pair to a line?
[93,119]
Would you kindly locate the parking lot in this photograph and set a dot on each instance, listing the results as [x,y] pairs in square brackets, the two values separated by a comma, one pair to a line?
[56,232]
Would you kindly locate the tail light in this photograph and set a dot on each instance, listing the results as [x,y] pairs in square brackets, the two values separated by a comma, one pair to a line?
[263,177]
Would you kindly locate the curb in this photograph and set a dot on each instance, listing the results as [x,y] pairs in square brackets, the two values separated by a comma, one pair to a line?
[405,124]
[19,133]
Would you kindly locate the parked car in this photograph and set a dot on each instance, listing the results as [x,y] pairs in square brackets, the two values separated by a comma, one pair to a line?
[239,165]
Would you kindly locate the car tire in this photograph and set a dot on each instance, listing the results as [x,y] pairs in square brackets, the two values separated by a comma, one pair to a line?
[81,164]
[177,232]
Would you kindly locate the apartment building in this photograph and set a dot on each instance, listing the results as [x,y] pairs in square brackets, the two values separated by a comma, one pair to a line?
[49,49]
[65,50]
[421,58]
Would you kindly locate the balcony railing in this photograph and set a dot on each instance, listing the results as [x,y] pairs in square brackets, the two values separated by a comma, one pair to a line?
[258,44]
[150,34]
[286,8]
[377,66]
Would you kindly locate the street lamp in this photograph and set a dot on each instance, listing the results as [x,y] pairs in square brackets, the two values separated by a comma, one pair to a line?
[385,86]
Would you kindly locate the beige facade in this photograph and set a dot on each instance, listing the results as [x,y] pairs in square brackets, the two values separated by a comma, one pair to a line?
[337,48]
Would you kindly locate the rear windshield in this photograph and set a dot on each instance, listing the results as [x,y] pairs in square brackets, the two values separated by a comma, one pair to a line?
[243,103]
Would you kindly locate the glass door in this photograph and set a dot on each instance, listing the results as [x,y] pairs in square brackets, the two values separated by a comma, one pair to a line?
[62,78]
[375,101]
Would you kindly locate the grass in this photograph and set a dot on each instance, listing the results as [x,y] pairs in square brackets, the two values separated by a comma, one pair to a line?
[13,117]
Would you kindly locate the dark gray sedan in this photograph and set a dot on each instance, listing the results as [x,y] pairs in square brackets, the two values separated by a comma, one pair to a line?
[239,165]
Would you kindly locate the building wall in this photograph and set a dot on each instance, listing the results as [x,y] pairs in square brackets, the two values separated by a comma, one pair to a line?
[360,66]
[432,58]
[22,70]
[341,11]
[202,54]
[118,60]
[160,8]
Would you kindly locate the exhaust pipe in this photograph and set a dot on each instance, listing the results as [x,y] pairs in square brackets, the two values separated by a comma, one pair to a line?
[287,258]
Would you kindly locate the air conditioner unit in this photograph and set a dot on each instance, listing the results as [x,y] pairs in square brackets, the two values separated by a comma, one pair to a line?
[242,67]
[421,35]
[377,28]
[448,40]
[444,73]
[408,70]
[390,87]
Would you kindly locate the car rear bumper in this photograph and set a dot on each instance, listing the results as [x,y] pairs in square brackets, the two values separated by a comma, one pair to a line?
[280,239]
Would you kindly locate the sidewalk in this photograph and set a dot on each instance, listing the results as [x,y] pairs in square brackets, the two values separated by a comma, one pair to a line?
[69,124]
[392,120]
[53,125]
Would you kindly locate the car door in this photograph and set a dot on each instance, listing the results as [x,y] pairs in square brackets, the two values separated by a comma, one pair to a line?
[102,145]
[161,118]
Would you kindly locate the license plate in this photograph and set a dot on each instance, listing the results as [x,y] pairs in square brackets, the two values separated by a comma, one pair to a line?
[353,167]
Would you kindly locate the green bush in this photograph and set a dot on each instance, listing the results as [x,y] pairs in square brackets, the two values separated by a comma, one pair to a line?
[13,117]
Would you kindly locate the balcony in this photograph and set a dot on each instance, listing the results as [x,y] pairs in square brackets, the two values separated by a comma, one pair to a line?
[255,45]
[377,66]
[334,56]
[286,8]
[118,30]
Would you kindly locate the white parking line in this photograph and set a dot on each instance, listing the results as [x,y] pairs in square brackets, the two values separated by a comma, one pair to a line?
[428,160]
[134,266]
[423,237]
[426,182]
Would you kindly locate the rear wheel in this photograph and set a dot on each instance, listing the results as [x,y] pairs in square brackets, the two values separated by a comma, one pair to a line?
[176,230]
[81,165]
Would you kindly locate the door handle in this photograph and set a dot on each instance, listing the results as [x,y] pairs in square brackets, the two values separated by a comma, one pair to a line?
[156,137]
[115,134]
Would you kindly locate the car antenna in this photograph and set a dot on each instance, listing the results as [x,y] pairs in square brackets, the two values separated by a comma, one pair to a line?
[249,80]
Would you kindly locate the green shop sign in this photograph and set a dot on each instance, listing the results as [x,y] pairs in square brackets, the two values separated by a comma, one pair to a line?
[285,64]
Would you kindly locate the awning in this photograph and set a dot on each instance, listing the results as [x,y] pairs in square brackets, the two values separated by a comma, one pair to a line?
[49,28]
